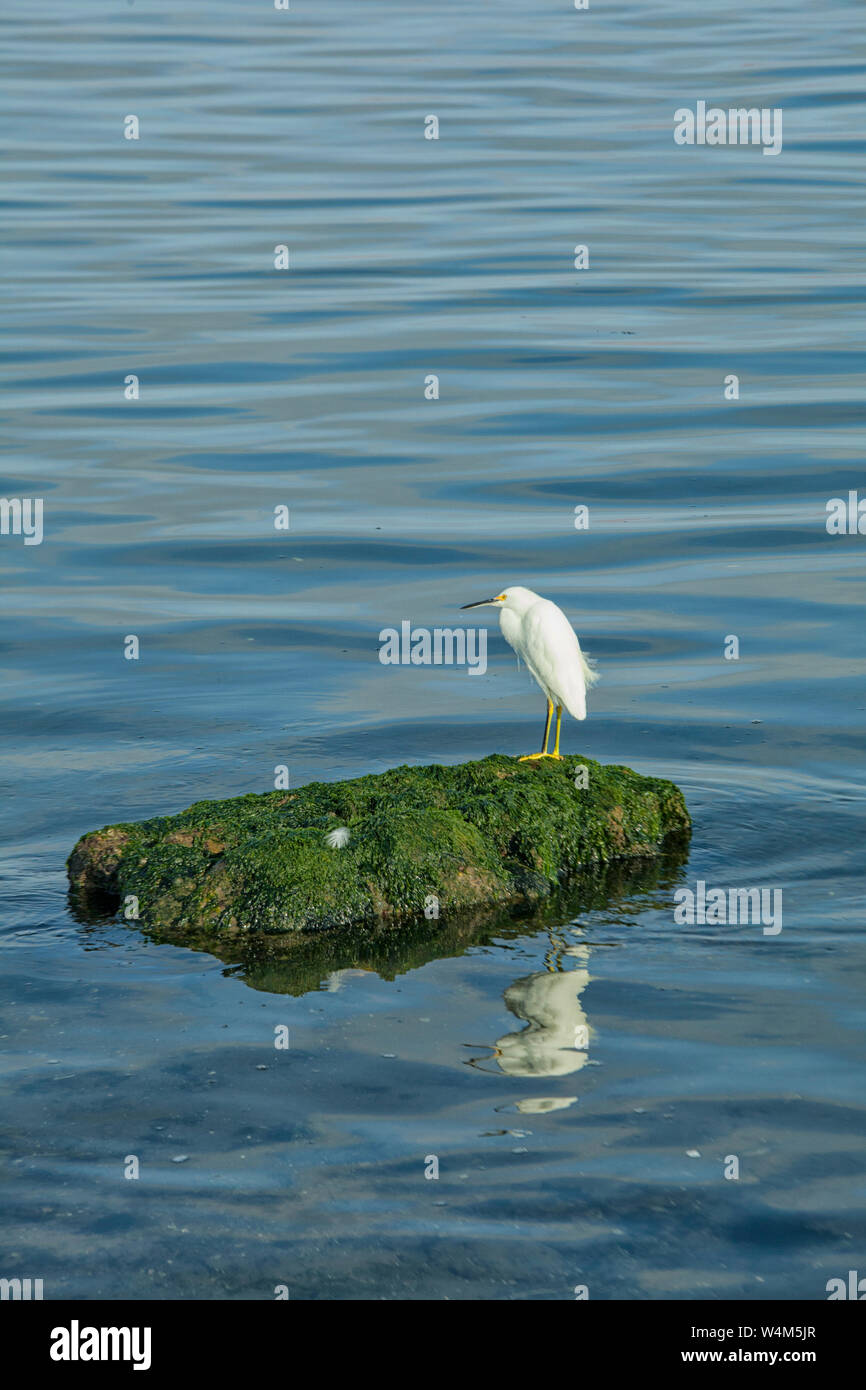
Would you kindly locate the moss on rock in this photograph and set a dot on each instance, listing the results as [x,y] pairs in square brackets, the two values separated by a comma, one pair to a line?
[480,834]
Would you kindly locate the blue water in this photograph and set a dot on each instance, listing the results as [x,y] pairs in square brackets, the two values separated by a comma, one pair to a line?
[558,1166]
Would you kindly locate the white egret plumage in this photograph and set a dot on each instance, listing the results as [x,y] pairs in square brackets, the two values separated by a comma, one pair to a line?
[543,637]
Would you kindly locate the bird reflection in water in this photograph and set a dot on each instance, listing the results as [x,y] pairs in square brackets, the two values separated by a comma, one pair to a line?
[557,1038]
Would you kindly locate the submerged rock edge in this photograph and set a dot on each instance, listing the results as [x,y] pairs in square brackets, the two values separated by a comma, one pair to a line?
[492,832]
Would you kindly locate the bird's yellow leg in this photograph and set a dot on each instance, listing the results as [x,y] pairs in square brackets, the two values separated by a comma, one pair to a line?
[531,757]
[556,753]
[547,727]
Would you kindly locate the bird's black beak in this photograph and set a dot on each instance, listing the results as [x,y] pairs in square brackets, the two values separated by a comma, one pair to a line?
[480,604]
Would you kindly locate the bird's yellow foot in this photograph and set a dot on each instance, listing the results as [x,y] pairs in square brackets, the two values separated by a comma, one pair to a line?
[533,757]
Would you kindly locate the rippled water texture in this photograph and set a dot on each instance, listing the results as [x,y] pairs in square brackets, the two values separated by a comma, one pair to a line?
[600,1165]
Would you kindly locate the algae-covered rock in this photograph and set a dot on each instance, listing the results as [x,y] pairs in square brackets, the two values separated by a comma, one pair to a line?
[297,962]
[446,839]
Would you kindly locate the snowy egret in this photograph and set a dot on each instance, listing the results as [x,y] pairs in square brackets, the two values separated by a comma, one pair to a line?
[541,634]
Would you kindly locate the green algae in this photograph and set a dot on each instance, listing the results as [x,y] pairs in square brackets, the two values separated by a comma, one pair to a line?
[483,834]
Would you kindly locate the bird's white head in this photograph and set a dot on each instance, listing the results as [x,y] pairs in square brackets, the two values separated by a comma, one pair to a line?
[515,598]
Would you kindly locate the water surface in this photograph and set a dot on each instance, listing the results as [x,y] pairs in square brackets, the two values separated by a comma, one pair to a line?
[558,1166]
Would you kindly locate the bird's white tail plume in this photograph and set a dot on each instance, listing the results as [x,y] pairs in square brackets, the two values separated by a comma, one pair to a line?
[590,672]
